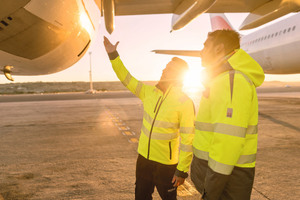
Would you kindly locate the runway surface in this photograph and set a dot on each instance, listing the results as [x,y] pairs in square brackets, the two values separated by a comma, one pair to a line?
[82,146]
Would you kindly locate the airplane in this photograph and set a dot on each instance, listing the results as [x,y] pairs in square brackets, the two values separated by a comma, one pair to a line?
[44,37]
[274,47]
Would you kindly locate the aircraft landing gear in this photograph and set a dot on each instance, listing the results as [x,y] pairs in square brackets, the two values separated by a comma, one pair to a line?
[7,72]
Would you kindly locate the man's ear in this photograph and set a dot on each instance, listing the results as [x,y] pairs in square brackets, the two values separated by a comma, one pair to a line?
[219,48]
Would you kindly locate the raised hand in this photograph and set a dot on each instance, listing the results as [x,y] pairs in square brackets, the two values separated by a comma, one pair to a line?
[109,47]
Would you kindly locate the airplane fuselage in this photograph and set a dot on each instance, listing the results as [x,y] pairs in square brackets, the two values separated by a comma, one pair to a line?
[276,47]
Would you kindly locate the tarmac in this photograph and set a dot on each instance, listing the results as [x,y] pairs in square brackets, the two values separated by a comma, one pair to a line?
[83,146]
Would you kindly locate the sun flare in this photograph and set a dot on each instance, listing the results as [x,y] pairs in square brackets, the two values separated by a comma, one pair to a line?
[86,23]
[193,86]
[193,79]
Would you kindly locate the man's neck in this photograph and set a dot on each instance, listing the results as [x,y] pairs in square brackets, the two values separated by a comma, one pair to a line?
[163,85]
[221,66]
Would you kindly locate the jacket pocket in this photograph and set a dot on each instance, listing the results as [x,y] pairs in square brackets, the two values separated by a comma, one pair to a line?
[170,148]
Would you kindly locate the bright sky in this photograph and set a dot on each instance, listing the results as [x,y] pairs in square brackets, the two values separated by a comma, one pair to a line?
[138,35]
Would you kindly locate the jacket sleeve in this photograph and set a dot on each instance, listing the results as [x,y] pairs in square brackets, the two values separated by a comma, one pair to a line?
[186,118]
[135,86]
[230,115]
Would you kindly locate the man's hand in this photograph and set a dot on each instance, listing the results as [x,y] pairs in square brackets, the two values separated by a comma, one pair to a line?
[109,47]
[177,181]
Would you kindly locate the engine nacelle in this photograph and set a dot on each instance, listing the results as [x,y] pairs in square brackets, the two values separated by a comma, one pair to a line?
[109,14]
[267,13]
[189,10]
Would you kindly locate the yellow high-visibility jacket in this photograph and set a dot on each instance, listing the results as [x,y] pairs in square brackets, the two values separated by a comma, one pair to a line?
[226,124]
[168,122]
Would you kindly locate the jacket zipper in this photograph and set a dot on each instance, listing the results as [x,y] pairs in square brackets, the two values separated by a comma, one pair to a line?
[154,121]
[157,104]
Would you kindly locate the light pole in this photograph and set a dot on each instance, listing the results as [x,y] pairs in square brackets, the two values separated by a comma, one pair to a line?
[91,90]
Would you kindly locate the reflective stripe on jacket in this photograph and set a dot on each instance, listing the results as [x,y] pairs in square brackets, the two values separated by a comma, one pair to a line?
[226,125]
[166,117]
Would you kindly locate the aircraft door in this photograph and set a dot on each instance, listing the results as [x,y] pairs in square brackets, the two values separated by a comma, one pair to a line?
[267,62]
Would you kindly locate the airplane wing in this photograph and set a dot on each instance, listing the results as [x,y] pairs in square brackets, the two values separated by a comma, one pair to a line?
[184,11]
[138,7]
[191,53]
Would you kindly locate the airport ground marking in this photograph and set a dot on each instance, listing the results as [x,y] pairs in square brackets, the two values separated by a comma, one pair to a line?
[125,130]
[120,124]
[133,140]
[186,190]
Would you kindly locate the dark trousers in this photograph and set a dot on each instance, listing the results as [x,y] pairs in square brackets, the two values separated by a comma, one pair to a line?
[238,185]
[150,174]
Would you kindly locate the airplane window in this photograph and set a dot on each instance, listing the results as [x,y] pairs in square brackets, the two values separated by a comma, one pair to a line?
[284,31]
[265,37]
[294,27]
[276,34]
[289,29]
[272,35]
[280,32]
[268,36]
[9,18]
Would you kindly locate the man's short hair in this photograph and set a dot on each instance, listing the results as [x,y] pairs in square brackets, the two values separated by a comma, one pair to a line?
[230,39]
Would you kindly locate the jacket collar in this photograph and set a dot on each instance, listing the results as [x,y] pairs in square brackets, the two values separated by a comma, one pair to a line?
[223,66]
[169,87]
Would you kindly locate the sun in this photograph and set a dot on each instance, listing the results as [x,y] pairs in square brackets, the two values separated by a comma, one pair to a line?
[193,79]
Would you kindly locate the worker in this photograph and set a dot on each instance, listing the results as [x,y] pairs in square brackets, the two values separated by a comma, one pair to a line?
[165,143]
[225,142]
